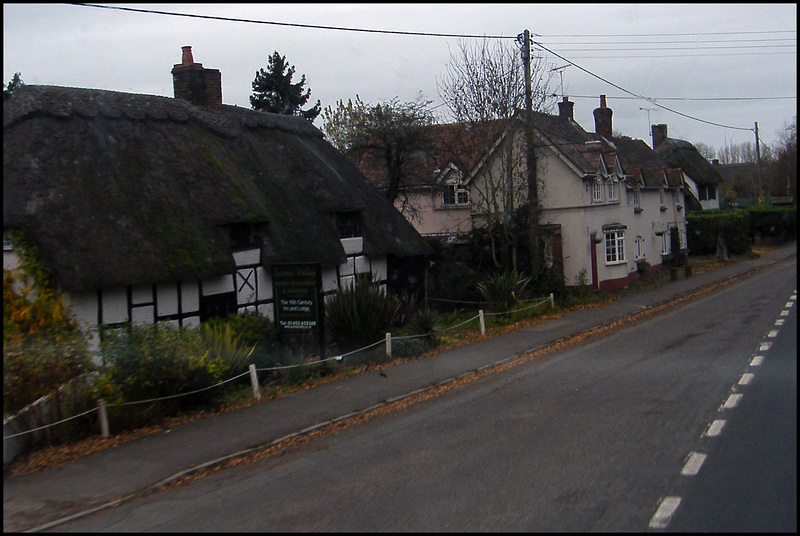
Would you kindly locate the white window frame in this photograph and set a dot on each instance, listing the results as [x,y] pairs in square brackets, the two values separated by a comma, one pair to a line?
[615,245]
[597,191]
[613,189]
[455,196]
[666,243]
[638,249]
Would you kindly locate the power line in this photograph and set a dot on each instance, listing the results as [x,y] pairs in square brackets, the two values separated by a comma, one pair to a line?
[637,95]
[294,25]
[686,98]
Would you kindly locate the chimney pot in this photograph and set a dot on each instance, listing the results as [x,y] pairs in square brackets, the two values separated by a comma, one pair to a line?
[186,57]
[603,101]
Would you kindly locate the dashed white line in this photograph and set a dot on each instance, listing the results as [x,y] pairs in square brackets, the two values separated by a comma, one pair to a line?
[789,304]
[665,512]
[772,334]
[765,346]
[784,313]
[716,428]
[693,464]
[732,401]
[746,378]
[757,360]
[779,322]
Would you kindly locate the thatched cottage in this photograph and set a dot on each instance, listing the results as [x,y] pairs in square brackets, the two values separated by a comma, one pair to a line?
[149,208]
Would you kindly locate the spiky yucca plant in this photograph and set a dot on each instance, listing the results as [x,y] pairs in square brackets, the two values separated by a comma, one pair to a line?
[503,290]
[359,314]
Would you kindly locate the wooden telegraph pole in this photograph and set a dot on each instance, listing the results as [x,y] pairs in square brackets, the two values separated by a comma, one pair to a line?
[533,191]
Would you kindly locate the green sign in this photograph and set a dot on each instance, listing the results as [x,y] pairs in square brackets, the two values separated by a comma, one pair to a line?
[295,288]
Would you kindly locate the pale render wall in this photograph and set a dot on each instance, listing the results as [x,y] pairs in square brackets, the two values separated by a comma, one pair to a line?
[434,219]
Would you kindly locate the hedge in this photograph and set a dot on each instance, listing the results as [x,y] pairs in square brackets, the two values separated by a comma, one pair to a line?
[738,228]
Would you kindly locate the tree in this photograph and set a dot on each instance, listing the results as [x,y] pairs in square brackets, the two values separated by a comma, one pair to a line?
[484,87]
[273,90]
[15,83]
[393,134]
[783,170]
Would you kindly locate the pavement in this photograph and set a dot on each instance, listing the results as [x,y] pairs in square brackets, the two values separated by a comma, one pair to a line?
[45,500]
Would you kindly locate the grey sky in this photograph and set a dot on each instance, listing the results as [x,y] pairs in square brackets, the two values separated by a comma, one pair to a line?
[743,53]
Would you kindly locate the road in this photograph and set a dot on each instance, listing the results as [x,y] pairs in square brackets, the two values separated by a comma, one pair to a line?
[594,438]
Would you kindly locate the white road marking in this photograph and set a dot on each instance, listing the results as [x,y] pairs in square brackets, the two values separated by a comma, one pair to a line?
[779,322]
[747,377]
[716,428]
[732,401]
[665,512]
[757,360]
[789,304]
[693,464]
[784,313]
[765,346]
[772,334]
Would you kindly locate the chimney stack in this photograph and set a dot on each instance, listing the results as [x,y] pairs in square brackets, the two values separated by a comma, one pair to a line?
[602,119]
[565,109]
[194,84]
[659,135]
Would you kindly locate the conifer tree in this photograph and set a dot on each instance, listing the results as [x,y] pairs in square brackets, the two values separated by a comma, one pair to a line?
[273,90]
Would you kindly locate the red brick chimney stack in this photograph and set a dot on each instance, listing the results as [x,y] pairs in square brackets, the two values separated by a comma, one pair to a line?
[565,109]
[602,119]
[659,135]
[194,84]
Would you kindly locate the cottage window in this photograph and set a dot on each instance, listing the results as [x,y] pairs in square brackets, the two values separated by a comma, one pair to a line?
[639,247]
[455,195]
[633,197]
[597,191]
[348,224]
[615,246]
[245,235]
[666,243]
[613,190]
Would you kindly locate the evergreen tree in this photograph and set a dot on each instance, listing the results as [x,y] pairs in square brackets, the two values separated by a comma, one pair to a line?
[273,90]
[15,83]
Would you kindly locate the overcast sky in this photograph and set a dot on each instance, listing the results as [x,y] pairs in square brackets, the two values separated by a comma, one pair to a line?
[718,68]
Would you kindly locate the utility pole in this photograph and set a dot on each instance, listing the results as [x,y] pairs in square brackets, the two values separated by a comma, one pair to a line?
[533,192]
[758,169]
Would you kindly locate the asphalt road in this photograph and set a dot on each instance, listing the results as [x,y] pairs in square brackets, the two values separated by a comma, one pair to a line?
[590,439]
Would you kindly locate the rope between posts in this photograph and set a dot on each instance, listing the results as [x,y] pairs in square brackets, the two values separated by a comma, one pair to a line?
[49,425]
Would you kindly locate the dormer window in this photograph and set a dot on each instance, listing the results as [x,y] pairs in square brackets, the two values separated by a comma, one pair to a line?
[613,189]
[454,194]
[246,235]
[597,191]
[348,224]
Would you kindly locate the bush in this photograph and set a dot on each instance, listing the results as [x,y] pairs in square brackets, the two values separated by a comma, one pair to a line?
[779,223]
[702,229]
[359,315]
[152,363]
[426,322]
[503,290]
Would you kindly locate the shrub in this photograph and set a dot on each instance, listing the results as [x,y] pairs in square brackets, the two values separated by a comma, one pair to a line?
[359,315]
[153,363]
[426,322]
[703,227]
[503,290]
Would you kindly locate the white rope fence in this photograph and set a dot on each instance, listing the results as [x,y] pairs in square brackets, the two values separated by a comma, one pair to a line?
[253,372]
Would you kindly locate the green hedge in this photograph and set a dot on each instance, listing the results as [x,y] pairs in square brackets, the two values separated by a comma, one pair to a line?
[738,228]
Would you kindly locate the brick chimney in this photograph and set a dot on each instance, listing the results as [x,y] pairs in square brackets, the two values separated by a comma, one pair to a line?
[565,109]
[659,135]
[194,84]
[602,119]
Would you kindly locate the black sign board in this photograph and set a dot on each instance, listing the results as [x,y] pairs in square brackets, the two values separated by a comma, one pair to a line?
[296,291]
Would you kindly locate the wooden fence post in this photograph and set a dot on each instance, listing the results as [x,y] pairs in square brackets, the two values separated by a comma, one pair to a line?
[388,344]
[103,418]
[254,381]
[483,322]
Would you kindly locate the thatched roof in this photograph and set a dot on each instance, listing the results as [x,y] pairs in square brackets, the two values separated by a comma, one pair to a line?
[116,189]
[684,155]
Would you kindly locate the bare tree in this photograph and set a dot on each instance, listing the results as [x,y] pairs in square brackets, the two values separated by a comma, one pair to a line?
[484,90]
[390,135]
